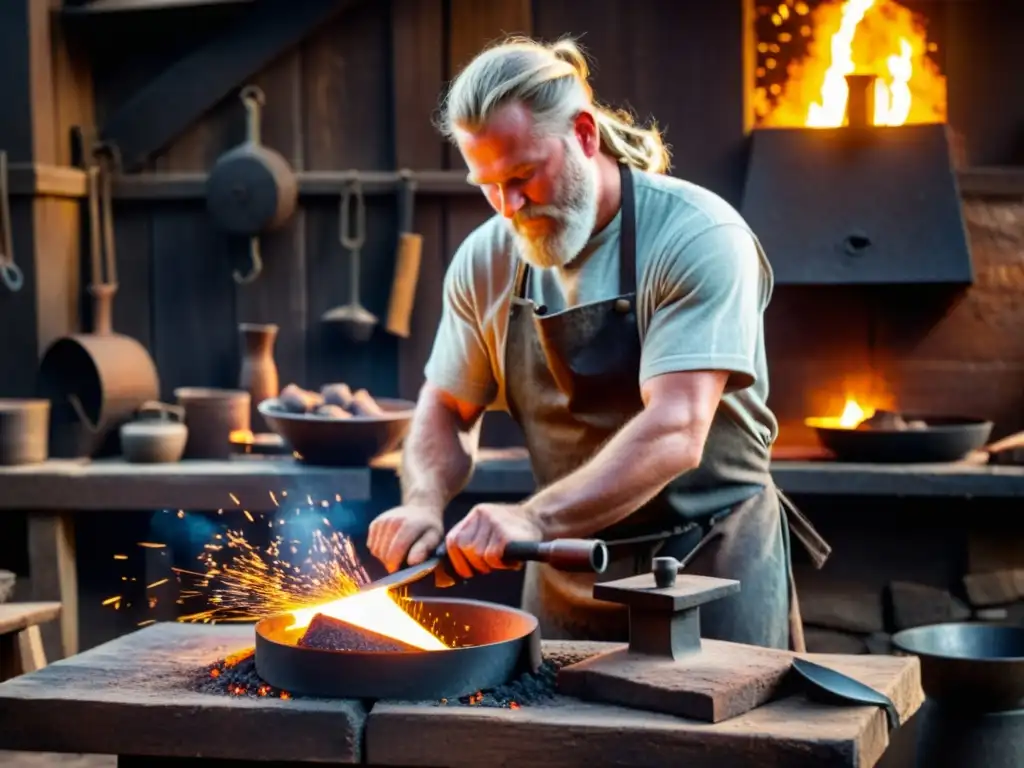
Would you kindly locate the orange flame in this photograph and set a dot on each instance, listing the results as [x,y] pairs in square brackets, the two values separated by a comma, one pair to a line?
[853,414]
[876,37]
[377,611]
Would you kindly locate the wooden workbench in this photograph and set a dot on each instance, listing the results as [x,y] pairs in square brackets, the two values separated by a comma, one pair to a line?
[52,492]
[129,698]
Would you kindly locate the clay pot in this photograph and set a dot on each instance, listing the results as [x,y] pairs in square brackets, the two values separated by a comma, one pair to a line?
[259,371]
[24,431]
[157,436]
[7,581]
[211,415]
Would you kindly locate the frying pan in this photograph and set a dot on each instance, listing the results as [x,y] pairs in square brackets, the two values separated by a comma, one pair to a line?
[944,438]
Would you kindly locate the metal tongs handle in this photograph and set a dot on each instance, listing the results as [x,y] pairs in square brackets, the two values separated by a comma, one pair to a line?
[574,555]
[571,555]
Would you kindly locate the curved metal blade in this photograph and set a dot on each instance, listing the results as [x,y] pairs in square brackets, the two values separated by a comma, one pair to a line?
[843,689]
[404,575]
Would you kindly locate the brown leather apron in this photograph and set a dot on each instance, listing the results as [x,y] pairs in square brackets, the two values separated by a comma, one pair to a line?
[571,381]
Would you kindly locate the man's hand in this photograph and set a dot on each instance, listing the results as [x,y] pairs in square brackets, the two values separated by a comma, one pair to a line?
[407,534]
[477,543]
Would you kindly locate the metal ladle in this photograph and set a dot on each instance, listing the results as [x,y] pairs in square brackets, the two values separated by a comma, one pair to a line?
[356,321]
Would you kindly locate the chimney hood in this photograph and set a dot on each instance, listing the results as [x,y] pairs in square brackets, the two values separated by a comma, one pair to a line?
[860,204]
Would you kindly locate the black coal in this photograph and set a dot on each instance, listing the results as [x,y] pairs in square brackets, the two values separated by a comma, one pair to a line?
[329,634]
[236,676]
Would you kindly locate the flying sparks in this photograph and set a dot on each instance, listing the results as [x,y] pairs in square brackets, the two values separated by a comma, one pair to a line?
[238,580]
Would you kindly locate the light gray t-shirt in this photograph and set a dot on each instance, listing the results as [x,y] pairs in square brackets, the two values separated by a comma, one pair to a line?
[702,288]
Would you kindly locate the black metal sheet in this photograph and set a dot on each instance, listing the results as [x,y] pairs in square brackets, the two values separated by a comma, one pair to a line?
[876,205]
[501,643]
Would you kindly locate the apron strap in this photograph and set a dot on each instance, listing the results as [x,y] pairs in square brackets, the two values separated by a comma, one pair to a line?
[817,548]
[627,243]
[627,236]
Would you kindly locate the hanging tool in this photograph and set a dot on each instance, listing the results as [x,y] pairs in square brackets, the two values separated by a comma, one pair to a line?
[251,188]
[356,321]
[10,273]
[96,381]
[407,261]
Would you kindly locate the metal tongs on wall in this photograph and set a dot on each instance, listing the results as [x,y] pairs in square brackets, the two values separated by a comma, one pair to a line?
[10,273]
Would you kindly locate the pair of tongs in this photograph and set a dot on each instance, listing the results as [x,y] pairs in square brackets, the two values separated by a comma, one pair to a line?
[572,555]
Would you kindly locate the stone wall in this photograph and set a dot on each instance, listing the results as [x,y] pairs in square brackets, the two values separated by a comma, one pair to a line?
[917,348]
[902,563]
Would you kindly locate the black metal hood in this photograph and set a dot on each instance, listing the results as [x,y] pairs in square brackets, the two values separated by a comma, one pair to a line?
[860,204]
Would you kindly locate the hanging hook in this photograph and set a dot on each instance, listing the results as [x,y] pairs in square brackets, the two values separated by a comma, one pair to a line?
[10,273]
[255,263]
[406,200]
[353,241]
[254,99]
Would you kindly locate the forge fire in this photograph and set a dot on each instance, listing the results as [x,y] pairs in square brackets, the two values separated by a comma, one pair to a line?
[235,675]
[805,50]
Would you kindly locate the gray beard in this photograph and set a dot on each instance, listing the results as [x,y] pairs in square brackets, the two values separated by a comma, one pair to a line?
[574,214]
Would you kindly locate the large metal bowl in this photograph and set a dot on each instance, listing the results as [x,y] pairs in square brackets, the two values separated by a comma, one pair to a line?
[947,438]
[974,666]
[495,643]
[353,442]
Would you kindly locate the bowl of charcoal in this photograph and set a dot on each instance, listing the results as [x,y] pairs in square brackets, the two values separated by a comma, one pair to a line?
[337,427]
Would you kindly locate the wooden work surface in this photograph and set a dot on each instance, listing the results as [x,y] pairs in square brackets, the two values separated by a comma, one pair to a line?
[129,697]
[507,471]
[257,483]
[112,484]
[15,617]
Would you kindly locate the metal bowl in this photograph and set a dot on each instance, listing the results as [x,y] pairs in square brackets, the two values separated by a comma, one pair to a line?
[974,666]
[946,438]
[353,442]
[496,643]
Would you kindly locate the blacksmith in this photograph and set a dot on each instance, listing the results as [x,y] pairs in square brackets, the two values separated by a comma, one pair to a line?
[617,314]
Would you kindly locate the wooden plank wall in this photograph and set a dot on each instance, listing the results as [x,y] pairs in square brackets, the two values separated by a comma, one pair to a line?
[361,93]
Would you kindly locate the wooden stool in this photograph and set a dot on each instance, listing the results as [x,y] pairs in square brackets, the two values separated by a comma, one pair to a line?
[21,643]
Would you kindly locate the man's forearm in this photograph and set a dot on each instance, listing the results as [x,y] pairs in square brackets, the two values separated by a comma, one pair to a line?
[630,470]
[438,457]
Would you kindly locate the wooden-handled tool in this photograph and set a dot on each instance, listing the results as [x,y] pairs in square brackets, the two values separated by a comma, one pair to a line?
[407,263]
[573,555]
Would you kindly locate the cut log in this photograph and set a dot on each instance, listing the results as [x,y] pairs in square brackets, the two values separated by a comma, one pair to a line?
[846,607]
[820,640]
[915,605]
[992,614]
[995,587]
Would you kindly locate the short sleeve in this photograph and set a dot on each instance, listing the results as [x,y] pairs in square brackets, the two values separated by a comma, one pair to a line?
[709,295]
[459,362]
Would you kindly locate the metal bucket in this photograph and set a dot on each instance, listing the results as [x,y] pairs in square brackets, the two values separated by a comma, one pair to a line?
[96,381]
[973,678]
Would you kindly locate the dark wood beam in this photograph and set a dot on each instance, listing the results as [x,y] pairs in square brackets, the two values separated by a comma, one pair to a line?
[994,181]
[179,96]
[41,97]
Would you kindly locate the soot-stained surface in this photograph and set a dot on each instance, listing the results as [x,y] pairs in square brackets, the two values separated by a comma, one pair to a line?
[237,677]
[328,634]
